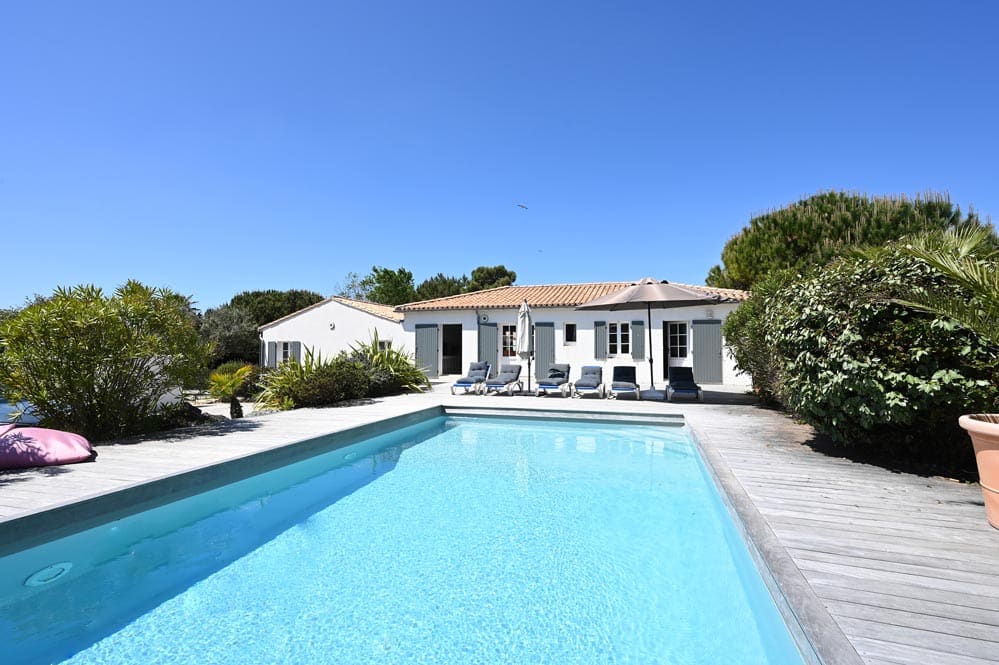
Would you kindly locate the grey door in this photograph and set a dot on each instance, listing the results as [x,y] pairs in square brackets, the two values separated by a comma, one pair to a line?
[426,348]
[707,343]
[544,349]
[489,346]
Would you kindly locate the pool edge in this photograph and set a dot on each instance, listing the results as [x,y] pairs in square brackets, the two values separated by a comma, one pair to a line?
[810,623]
[34,528]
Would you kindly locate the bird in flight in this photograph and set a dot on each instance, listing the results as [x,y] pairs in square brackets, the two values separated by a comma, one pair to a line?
[521,205]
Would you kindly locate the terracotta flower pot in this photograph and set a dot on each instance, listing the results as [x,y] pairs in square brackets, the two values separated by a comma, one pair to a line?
[984,431]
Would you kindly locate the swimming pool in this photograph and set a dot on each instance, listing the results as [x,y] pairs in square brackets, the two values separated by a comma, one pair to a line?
[454,540]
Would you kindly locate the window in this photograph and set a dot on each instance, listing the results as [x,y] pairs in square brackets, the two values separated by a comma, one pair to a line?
[509,341]
[384,344]
[570,333]
[618,338]
[677,340]
[286,353]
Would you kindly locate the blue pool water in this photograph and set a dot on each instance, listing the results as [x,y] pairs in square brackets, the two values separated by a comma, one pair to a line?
[454,541]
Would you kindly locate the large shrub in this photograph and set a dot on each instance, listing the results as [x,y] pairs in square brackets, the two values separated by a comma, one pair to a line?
[98,365]
[815,230]
[749,341]
[313,382]
[870,372]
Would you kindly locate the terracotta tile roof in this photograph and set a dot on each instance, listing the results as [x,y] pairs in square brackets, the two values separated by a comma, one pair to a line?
[546,295]
[382,311]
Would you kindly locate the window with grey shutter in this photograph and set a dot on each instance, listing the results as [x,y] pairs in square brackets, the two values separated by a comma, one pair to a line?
[600,340]
[638,340]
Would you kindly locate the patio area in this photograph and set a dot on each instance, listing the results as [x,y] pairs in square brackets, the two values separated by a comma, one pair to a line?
[903,564]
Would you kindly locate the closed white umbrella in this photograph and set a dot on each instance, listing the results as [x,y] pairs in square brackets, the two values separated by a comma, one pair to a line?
[525,338]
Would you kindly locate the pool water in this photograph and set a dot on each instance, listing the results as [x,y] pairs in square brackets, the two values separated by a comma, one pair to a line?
[455,541]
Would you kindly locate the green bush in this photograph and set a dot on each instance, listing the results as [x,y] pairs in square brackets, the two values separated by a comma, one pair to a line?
[748,339]
[334,382]
[313,382]
[98,365]
[870,372]
[390,371]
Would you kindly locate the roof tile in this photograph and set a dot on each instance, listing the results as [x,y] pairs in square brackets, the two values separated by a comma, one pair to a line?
[546,295]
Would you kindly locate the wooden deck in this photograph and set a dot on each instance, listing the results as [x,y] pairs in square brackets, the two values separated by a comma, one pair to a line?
[905,565]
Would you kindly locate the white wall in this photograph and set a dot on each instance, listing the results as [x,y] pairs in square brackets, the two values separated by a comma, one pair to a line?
[582,352]
[349,325]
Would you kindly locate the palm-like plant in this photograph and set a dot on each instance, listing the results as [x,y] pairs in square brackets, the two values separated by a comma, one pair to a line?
[968,257]
[224,386]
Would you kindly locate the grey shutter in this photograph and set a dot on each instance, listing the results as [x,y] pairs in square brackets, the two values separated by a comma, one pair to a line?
[296,351]
[600,340]
[426,349]
[707,343]
[272,354]
[638,340]
[489,346]
[544,349]
[262,357]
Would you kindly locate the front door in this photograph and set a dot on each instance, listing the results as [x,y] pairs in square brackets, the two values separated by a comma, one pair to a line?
[451,348]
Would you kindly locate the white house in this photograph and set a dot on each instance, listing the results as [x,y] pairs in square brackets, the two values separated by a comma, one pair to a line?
[329,327]
[452,332]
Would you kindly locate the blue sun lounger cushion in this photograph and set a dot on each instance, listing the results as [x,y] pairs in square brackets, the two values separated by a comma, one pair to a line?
[477,374]
[681,381]
[591,380]
[625,381]
[509,377]
[557,379]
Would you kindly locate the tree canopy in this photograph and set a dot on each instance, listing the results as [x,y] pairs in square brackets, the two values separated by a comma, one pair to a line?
[391,287]
[441,286]
[270,305]
[395,287]
[491,277]
[232,333]
[817,229]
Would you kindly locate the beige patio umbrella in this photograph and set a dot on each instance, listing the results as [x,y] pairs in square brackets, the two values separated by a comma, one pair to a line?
[646,294]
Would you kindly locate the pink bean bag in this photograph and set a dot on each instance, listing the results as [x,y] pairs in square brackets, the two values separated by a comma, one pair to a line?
[22,447]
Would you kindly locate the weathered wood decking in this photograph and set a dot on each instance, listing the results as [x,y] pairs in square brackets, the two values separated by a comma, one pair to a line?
[905,565]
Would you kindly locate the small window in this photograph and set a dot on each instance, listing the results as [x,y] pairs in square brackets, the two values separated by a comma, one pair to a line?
[618,338]
[677,340]
[509,341]
[570,333]
[384,344]
[285,352]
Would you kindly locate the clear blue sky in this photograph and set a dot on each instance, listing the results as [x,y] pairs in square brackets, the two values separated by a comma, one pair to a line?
[216,147]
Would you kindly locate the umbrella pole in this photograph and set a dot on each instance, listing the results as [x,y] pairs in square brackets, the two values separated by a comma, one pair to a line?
[652,373]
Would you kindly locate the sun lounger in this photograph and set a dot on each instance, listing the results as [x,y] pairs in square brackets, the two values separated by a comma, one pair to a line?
[624,381]
[681,382]
[509,377]
[557,379]
[590,381]
[476,378]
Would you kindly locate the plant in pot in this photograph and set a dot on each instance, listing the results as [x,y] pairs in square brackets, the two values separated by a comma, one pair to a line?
[969,257]
[225,386]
